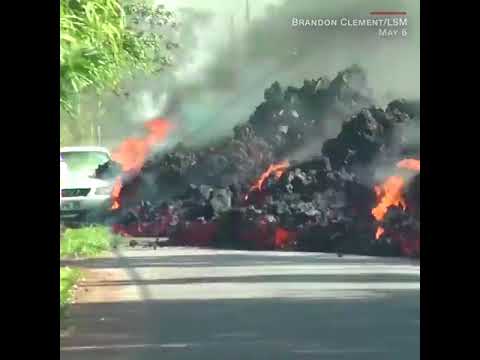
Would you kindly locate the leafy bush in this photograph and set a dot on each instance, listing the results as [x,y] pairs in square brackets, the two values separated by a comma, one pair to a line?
[104,41]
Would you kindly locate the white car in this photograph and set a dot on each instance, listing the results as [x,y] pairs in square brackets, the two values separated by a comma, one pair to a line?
[81,194]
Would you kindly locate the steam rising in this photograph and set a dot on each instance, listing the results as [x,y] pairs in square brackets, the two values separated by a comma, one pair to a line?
[224,64]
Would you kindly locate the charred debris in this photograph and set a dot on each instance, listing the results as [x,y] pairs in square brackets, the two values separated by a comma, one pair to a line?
[319,199]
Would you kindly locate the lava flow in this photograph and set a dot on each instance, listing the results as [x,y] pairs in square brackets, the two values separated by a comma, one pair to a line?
[390,193]
[276,169]
[132,152]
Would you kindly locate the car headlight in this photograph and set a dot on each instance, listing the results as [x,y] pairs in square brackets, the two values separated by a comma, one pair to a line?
[106,190]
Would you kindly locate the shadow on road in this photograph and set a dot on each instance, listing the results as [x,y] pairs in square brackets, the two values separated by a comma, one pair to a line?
[158,260]
[247,329]
[258,279]
[282,315]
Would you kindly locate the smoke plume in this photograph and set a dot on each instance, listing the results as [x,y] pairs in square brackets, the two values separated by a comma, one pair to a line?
[225,62]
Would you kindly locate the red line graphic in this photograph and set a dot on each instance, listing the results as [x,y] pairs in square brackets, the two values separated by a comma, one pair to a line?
[388,13]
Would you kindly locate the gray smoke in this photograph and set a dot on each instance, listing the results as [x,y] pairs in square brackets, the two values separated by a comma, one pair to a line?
[223,66]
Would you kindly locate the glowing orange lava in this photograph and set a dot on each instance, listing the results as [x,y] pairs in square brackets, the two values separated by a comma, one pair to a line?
[380,231]
[276,169]
[390,193]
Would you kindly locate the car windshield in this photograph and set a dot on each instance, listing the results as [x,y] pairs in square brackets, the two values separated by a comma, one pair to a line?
[84,162]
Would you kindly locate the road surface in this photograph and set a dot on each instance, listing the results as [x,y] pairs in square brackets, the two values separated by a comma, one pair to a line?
[185,303]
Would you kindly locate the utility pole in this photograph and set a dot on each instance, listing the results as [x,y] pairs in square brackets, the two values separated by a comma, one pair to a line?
[99,135]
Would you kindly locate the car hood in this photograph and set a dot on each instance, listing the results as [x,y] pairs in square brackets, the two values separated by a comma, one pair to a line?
[74,182]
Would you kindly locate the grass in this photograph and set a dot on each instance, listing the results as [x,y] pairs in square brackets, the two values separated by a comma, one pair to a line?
[84,242]
[68,278]
[87,242]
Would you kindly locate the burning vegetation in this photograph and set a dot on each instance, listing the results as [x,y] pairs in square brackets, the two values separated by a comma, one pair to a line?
[253,191]
[132,153]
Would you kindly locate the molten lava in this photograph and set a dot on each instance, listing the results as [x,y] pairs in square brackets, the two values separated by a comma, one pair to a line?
[390,193]
[284,238]
[380,231]
[276,169]
[132,152]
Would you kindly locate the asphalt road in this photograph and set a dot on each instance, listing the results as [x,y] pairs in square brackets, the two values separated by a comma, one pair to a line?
[184,303]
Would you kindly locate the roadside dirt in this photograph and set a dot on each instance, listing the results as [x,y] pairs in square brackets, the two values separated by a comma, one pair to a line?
[88,289]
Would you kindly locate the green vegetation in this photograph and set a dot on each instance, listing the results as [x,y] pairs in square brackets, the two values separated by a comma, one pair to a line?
[83,242]
[68,278]
[87,242]
[103,42]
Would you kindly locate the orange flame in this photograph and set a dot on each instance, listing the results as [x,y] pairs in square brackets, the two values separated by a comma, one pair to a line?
[380,231]
[410,164]
[132,152]
[116,193]
[276,169]
[390,193]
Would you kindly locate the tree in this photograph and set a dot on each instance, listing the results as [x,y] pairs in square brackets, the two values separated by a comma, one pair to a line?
[105,41]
